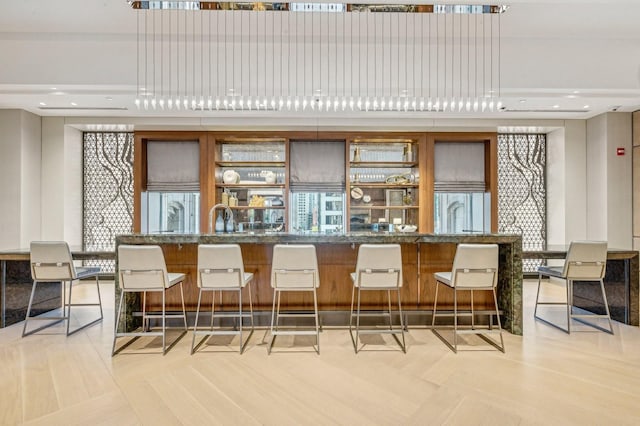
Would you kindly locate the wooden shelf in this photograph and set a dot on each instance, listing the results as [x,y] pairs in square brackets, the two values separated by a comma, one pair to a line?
[382,185]
[249,185]
[250,163]
[257,208]
[380,164]
[366,207]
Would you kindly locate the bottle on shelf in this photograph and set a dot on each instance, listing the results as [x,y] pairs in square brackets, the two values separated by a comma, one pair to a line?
[225,198]
[230,225]
[407,155]
[220,222]
[356,155]
[233,200]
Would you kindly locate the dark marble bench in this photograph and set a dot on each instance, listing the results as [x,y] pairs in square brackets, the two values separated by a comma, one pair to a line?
[621,283]
[15,284]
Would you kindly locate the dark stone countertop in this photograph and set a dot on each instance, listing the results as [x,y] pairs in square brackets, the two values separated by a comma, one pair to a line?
[355,237]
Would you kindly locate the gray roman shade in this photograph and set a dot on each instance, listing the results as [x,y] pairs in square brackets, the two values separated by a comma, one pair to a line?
[317,166]
[459,167]
[173,166]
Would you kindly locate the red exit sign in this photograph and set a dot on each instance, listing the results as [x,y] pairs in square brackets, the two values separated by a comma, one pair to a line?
[619,151]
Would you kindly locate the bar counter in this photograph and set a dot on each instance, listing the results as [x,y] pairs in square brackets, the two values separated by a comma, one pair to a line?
[422,255]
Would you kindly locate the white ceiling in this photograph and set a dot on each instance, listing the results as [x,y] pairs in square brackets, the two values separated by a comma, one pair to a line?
[564,53]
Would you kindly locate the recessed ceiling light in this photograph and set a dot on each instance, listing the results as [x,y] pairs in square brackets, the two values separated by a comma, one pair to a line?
[57,93]
[54,88]
[109,98]
[586,107]
[43,104]
[74,104]
[571,96]
[576,92]
[556,106]
[523,101]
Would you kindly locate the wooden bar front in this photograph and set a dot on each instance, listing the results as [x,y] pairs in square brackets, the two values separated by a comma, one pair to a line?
[422,255]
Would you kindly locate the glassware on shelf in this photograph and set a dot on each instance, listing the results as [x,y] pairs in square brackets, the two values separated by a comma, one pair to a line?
[220,222]
[233,199]
[230,226]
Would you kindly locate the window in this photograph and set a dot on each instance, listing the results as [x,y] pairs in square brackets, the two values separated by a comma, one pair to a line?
[320,212]
[464,212]
[170,212]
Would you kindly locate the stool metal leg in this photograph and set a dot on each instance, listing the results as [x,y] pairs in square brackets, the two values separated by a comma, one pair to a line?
[26,320]
[315,310]
[195,325]
[404,345]
[273,318]
[118,315]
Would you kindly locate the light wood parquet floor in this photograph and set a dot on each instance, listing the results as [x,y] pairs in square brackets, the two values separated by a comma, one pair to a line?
[546,377]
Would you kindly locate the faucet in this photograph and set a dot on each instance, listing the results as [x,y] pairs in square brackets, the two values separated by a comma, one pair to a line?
[228,212]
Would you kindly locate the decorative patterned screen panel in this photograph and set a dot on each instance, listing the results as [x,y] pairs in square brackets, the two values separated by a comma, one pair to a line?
[108,191]
[522,194]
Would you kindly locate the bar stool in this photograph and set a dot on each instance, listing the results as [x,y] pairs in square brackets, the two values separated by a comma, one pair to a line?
[294,268]
[586,261]
[378,268]
[142,269]
[51,261]
[220,268]
[475,268]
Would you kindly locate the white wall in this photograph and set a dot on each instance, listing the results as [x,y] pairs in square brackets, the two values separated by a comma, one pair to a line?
[619,181]
[11,188]
[596,178]
[52,177]
[636,180]
[556,187]
[30,176]
[61,181]
[567,183]
[609,180]
[73,180]
[20,173]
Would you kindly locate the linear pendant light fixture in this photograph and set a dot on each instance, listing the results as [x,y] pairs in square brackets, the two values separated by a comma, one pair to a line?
[213,56]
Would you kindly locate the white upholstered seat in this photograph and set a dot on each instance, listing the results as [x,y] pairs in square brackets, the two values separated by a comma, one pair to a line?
[475,268]
[221,268]
[585,261]
[51,261]
[294,268]
[378,268]
[142,269]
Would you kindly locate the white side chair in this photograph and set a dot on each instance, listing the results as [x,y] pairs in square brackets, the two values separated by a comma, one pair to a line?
[475,268]
[51,261]
[294,268]
[221,268]
[378,268]
[585,261]
[142,269]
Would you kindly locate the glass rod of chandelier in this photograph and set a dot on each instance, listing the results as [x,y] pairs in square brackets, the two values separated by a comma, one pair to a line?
[318,60]
[304,103]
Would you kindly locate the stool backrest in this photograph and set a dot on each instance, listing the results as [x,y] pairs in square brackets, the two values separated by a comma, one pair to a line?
[51,261]
[379,265]
[142,267]
[294,266]
[586,260]
[220,266]
[475,266]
